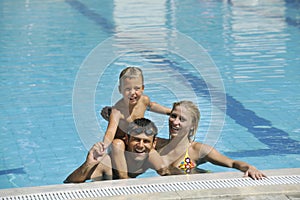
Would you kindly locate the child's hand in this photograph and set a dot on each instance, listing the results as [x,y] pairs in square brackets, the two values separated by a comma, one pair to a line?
[105,112]
[96,153]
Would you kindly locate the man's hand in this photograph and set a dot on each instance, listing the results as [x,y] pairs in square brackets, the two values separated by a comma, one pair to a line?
[96,153]
[105,112]
[84,172]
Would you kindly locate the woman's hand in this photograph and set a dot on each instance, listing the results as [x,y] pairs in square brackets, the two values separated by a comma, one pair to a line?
[254,173]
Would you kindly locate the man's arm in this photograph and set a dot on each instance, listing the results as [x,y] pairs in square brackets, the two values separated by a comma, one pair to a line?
[81,174]
[157,163]
[84,172]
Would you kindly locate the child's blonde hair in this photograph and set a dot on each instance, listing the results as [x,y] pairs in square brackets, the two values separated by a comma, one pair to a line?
[131,72]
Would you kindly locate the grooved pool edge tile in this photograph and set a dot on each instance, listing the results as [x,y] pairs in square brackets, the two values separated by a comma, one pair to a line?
[181,194]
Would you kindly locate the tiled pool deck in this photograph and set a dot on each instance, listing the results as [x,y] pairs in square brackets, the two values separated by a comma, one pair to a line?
[227,185]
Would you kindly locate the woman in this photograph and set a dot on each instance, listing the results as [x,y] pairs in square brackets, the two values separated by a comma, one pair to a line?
[183,124]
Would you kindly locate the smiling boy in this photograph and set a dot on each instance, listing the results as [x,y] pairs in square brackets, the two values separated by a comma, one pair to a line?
[131,106]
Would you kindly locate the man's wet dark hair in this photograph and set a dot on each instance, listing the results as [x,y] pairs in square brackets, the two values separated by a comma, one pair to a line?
[142,125]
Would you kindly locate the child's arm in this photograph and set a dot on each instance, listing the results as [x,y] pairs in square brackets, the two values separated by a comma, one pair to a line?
[112,127]
[155,107]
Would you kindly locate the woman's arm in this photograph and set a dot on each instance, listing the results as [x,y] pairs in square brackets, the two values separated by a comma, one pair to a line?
[248,170]
[212,155]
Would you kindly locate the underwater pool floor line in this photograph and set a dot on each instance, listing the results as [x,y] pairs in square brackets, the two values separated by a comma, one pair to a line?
[279,182]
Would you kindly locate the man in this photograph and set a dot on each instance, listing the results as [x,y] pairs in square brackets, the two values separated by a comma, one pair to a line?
[140,155]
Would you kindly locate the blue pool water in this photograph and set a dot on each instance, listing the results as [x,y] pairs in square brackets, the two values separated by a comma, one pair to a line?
[254,46]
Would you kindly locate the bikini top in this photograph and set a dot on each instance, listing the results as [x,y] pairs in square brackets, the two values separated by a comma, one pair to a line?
[187,164]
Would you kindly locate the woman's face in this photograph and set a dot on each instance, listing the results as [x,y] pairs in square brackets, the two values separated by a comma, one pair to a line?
[180,122]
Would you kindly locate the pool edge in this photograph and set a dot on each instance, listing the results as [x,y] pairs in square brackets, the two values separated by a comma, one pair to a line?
[287,191]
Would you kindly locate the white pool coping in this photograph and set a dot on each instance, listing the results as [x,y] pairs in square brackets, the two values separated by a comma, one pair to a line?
[285,190]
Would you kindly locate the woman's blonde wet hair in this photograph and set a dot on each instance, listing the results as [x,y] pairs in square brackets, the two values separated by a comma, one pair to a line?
[131,72]
[193,111]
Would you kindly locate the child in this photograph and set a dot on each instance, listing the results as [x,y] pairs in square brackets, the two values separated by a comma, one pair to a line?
[131,106]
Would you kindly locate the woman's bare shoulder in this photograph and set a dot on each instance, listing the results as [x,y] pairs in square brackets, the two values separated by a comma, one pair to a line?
[160,143]
[200,149]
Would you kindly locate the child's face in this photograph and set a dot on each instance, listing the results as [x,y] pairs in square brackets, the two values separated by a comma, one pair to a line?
[132,89]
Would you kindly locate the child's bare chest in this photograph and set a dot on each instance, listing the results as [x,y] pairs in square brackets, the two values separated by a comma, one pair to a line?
[137,113]
[129,117]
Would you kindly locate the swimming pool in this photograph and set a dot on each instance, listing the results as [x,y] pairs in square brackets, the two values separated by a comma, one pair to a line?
[253,44]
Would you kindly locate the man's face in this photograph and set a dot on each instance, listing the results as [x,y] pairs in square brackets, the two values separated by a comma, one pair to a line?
[132,89]
[140,145]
